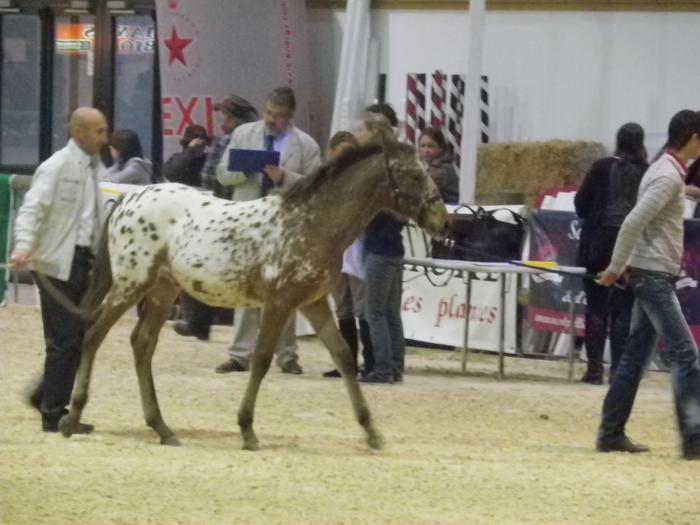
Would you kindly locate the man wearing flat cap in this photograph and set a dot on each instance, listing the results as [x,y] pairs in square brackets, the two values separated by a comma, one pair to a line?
[231,112]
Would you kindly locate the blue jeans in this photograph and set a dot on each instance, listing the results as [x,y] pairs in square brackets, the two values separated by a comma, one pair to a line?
[656,313]
[383,278]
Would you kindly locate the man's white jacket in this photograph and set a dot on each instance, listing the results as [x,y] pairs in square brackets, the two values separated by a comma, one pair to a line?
[301,157]
[47,222]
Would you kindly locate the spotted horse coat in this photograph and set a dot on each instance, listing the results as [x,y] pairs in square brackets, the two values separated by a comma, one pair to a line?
[282,252]
[209,245]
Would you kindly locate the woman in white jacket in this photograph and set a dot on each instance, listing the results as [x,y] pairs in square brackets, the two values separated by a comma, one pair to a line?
[129,165]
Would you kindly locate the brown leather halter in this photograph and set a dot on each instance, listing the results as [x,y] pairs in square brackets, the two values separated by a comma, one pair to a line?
[423,204]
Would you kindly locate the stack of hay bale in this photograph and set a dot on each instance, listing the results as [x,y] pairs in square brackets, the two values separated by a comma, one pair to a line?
[518,173]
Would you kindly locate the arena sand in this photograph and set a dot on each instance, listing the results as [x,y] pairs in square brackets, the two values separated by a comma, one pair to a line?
[459,449]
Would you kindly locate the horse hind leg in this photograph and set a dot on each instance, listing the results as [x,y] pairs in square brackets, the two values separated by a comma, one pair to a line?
[157,305]
[320,316]
[108,314]
[271,326]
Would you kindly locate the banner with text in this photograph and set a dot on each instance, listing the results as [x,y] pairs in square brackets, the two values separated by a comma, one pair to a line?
[434,308]
[211,48]
[687,283]
[554,236]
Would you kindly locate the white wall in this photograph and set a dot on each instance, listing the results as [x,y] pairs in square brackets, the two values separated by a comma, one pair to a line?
[552,75]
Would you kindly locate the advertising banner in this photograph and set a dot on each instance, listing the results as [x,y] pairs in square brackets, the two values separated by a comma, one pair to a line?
[212,48]
[687,283]
[554,236]
[434,308]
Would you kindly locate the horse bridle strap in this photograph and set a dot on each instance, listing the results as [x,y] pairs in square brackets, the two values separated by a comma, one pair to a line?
[423,204]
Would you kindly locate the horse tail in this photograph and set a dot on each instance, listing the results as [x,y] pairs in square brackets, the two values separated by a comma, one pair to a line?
[101,275]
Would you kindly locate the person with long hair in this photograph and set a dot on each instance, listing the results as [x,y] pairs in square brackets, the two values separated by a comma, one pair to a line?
[129,165]
[606,196]
[185,166]
[692,183]
[434,152]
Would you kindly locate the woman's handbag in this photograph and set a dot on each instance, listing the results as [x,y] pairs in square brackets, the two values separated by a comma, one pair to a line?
[481,237]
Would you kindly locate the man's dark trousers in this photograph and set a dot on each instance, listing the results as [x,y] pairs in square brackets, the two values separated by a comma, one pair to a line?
[63,334]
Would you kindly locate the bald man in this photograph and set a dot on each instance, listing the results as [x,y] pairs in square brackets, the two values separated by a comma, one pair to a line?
[56,233]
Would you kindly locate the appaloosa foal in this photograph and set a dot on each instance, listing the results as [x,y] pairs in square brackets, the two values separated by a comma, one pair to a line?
[282,252]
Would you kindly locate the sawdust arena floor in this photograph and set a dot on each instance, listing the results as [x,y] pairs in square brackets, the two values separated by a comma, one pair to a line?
[459,449]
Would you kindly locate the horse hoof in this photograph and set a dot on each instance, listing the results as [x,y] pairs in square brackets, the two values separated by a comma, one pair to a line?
[171,441]
[375,442]
[67,425]
[251,444]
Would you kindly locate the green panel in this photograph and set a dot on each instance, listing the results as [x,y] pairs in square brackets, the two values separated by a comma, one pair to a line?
[5,212]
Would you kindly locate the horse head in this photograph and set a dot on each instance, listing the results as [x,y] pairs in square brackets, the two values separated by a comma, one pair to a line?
[414,193]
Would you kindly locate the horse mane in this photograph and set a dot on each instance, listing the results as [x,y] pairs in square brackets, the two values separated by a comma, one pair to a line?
[306,186]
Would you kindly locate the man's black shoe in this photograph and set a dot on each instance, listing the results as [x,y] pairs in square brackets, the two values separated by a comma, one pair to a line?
[365,371]
[374,378]
[332,373]
[51,425]
[183,328]
[691,451]
[592,378]
[398,377]
[620,444]
[34,399]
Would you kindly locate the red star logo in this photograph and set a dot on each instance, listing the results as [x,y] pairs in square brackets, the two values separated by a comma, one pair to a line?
[177,46]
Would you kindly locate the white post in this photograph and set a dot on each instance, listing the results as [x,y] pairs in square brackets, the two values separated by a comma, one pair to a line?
[372,76]
[471,132]
[353,59]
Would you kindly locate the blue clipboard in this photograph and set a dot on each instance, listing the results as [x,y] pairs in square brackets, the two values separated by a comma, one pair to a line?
[252,160]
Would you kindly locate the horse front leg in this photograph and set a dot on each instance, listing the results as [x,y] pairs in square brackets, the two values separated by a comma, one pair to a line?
[271,325]
[319,315]
[108,314]
[144,338]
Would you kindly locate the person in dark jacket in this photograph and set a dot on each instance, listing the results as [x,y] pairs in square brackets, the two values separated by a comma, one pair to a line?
[231,112]
[437,159]
[383,258]
[129,165]
[607,194]
[384,253]
[692,184]
[185,166]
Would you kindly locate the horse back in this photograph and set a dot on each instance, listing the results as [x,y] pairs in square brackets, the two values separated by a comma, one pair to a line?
[221,252]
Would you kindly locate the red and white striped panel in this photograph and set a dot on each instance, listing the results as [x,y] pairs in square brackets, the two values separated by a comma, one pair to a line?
[415,105]
[438,98]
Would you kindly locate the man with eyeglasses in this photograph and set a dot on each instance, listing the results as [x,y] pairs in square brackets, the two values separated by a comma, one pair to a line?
[300,155]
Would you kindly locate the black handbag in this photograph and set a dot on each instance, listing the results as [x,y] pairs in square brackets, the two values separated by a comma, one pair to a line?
[481,237]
